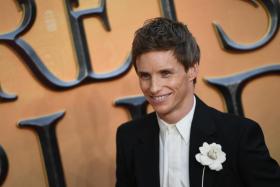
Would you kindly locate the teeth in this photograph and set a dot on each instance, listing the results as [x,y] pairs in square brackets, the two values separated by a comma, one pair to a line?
[159,98]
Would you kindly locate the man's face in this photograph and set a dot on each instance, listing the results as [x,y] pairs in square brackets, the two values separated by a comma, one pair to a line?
[165,84]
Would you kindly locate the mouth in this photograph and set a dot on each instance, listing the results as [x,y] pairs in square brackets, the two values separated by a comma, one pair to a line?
[159,98]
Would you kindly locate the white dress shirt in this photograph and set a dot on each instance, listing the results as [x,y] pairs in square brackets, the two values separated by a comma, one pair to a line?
[174,151]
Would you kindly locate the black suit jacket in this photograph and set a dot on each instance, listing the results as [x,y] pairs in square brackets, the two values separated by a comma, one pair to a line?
[248,163]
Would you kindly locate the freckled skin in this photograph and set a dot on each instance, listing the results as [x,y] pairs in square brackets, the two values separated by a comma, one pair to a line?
[165,84]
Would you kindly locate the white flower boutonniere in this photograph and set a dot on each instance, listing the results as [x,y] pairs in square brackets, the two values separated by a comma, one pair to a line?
[211,156]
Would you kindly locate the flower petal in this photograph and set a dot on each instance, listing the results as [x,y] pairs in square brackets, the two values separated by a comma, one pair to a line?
[216,166]
[197,157]
[221,157]
[205,144]
[205,148]
[205,160]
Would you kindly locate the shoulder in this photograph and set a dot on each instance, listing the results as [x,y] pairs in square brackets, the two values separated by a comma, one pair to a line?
[139,122]
[136,126]
[223,119]
[233,125]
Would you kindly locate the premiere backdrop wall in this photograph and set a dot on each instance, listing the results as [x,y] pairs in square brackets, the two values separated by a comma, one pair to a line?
[80,92]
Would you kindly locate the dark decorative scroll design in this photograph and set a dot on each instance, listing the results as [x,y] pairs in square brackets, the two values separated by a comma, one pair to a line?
[33,61]
[232,86]
[45,128]
[136,105]
[79,38]
[272,7]
[4,96]
[168,9]
[4,165]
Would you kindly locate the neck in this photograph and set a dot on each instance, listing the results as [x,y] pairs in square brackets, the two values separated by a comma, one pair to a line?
[174,117]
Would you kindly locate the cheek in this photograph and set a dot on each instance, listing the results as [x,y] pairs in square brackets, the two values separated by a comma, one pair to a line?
[144,86]
[179,85]
[176,84]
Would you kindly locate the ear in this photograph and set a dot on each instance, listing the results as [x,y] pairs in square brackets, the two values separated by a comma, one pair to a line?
[193,72]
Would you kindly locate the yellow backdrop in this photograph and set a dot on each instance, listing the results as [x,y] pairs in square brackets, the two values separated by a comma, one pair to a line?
[86,134]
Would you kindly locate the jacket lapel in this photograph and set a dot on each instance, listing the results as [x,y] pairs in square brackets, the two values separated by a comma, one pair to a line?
[202,130]
[147,153]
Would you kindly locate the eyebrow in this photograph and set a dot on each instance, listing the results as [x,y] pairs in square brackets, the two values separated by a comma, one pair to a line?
[167,69]
[160,70]
[170,69]
[141,72]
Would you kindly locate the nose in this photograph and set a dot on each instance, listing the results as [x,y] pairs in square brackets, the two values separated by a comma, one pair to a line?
[155,86]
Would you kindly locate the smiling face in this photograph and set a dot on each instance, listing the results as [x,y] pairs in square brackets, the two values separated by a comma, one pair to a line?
[165,84]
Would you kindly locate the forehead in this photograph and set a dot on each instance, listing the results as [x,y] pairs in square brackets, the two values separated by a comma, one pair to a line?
[157,60]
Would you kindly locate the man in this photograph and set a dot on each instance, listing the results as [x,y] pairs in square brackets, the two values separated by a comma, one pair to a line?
[185,143]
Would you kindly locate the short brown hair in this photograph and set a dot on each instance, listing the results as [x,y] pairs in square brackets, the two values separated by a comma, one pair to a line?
[162,34]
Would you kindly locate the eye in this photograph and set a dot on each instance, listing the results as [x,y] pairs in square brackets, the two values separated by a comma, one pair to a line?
[144,76]
[165,73]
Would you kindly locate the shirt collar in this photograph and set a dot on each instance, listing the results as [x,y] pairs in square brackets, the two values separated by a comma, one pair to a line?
[183,125]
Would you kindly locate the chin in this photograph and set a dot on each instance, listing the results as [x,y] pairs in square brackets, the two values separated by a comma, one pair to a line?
[161,111]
